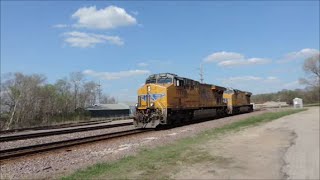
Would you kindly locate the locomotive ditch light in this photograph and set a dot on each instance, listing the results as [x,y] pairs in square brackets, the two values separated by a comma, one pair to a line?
[152,104]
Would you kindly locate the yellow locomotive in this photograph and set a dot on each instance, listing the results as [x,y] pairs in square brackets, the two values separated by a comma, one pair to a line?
[237,101]
[168,99]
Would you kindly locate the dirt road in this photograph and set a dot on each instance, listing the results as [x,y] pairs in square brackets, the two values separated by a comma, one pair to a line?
[302,157]
[287,148]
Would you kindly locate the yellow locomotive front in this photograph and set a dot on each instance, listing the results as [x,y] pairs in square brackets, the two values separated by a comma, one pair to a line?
[151,109]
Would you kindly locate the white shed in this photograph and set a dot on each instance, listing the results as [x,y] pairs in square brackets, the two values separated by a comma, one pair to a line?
[297,103]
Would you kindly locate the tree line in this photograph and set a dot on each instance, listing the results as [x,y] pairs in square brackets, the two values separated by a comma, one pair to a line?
[311,93]
[28,100]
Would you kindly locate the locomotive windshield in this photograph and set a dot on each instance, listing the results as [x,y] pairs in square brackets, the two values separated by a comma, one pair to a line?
[150,80]
[164,80]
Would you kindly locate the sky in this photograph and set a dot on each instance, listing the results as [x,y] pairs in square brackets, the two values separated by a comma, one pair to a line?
[255,46]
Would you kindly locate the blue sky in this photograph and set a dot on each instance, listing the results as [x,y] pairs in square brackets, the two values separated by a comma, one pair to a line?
[255,46]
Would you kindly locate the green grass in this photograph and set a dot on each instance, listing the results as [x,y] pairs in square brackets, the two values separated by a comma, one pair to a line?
[313,104]
[161,162]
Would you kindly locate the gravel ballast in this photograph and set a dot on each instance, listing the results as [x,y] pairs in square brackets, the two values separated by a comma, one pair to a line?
[64,161]
[62,137]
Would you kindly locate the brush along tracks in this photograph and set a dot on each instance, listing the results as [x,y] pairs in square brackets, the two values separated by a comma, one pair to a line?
[27,150]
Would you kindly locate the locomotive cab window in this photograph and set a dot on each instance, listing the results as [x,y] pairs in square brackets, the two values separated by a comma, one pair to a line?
[179,82]
[164,80]
[150,80]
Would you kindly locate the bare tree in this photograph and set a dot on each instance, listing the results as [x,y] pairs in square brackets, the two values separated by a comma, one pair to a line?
[22,95]
[76,79]
[88,96]
[27,100]
[105,99]
[311,67]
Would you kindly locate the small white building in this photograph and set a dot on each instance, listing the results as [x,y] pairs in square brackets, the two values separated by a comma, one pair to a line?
[297,103]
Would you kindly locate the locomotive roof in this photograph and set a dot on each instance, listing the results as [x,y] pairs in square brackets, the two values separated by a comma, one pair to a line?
[162,75]
[218,88]
[169,75]
[238,91]
[154,76]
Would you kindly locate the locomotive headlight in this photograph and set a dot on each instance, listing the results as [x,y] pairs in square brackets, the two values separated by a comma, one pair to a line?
[149,88]
[152,104]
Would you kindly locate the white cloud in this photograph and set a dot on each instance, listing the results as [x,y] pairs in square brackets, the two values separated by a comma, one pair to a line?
[136,13]
[155,63]
[229,59]
[243,78]
[250,61]
[85,40]
[259,84]
[302,54]
[223,56]
[107,18]
[253,84]
[60,26]
[292,85]
[238,79]
[272,78]
[142,64]
[115,75]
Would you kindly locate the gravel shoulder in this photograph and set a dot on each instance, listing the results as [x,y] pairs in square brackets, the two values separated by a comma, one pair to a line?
[287,148]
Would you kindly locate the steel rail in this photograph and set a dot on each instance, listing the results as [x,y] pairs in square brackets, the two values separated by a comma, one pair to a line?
[26,150]
[53,126]
[57,126]
[14,137]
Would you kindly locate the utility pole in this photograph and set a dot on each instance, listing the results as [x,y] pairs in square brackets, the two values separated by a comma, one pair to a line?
[201,73]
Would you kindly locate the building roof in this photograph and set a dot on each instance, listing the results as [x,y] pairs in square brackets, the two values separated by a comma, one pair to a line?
[118,106]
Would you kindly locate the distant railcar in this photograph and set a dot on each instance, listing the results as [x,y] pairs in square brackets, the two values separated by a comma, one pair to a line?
[237,101]
[168,99]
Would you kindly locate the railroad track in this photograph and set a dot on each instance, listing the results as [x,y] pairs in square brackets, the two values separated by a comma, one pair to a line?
[81,123]
[14,137]
[27,150]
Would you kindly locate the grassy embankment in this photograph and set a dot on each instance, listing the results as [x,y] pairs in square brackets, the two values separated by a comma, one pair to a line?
[162,161]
